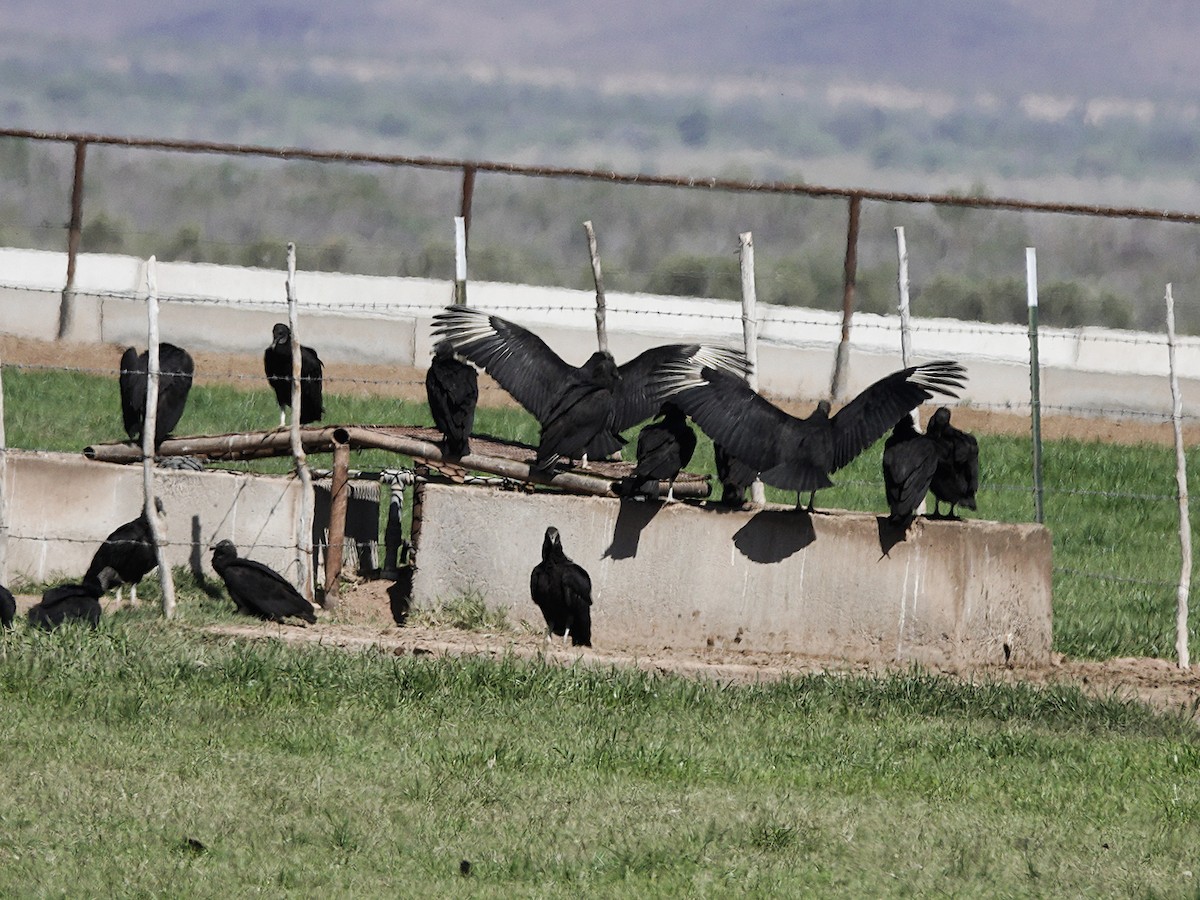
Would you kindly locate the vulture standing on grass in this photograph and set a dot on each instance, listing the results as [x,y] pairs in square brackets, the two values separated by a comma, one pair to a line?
[799,454]
[175,370]
[8,607]
[125,556]
[663,449]
[258,590]
[956,478]
[277,363]
[452,387]
[68,603]
[562,590]
[582,410]
[909,461]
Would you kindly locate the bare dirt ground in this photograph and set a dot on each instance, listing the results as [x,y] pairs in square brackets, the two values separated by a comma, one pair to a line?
[363,620]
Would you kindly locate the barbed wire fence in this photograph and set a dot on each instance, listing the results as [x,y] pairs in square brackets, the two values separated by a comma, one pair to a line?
[1137,495]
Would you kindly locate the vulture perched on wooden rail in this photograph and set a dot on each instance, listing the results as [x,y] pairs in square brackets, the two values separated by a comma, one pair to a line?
[583,409]
[452,388]
[175,371]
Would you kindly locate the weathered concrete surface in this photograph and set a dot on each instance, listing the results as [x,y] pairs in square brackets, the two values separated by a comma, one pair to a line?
[62,506]
[948,593]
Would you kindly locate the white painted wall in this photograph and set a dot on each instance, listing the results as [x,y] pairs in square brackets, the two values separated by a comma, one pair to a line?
[360,318]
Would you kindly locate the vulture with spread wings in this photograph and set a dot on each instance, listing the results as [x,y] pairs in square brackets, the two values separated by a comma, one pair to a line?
[582,409]
[799,454]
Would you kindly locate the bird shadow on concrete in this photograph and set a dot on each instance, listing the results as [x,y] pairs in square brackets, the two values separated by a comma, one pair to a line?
[891,533]
[633,516]
[400,595]
[211,588]
[773,535]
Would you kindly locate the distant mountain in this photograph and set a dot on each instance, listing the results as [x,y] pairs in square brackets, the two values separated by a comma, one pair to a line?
[1077,47]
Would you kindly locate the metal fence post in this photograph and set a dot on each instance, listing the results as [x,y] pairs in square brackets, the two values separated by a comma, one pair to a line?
[1035,383]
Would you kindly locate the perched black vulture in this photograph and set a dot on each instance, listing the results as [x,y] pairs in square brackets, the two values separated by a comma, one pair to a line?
[125,556]
[8,607]
[277,363]
[68,603]
[562,590]
[175,370]
[259,590]
[663,449]
[909,461]
[799,454]
[452,388]
[957,476]
[584,409]
[735,476]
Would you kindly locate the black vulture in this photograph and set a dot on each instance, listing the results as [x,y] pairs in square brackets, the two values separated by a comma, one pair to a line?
[735,476]
[562,590]
[452,387]
[8,607]
[258,590]
[582,410]
[175,370]
[68,603]
[909,460]
[956,478]
[125,556]
[663,449]
[277,363]
[799,454]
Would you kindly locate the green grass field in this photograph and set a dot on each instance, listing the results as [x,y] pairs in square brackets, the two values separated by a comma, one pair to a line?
[154,759]
[1111,509]
[150,759]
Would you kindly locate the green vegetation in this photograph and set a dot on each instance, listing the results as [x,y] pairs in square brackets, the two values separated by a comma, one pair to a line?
[151,759]
[1111,509]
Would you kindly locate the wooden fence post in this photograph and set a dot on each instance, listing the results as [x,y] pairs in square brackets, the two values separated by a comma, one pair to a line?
[598,278]
[849,280]
[66,309]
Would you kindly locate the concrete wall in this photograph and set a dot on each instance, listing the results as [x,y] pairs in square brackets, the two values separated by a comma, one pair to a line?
[828,585]
[358,318]
[62,506]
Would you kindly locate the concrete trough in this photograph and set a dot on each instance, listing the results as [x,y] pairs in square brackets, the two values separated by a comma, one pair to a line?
[829,585]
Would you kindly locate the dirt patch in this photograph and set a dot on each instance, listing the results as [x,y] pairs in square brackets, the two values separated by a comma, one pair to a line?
[363,621]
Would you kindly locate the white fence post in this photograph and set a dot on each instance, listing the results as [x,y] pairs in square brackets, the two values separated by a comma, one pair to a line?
[460,261]
[1035,383]
[758,493]
[3,487]
[1185,527]
[149,431]
[304,520]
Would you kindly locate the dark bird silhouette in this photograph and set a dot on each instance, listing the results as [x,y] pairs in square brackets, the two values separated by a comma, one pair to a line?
[67,603]
[175,370]
[663,449]
[800,454]
[8,607]
[125,556]
[909,461]
[956,478]
[277,363]
[735,476]
[452,388]
[582,410]
[562,590]
[258,590]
